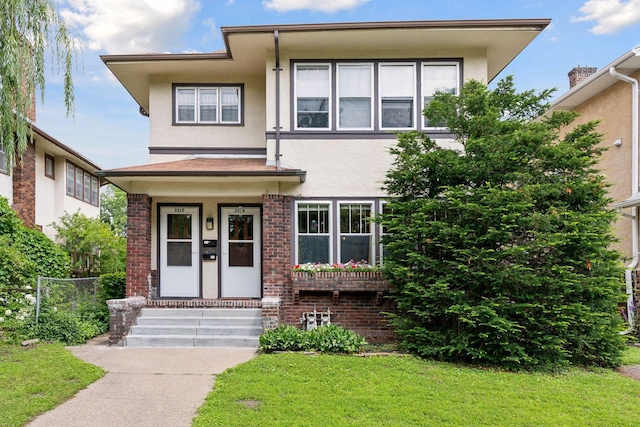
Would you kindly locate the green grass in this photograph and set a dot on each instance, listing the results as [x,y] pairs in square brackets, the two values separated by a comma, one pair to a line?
[36,379]
[631,356]
[324,390]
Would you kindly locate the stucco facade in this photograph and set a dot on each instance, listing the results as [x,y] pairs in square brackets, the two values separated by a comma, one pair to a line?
[219,188]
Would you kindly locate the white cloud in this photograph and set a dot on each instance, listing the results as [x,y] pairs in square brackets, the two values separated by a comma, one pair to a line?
[130,26]
[610,15]
[321,5]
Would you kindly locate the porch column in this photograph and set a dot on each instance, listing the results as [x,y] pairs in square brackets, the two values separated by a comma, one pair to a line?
[138,245]
[276,247]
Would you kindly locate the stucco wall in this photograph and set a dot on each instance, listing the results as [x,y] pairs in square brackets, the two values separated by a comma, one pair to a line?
[164,134]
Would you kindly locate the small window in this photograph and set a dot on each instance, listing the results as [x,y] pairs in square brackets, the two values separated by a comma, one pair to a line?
[313,89]
[355,89]
[397,96]
[314,233]
[82,185]
[355,232]
[438,77]
[208,105]
[49,166]
[3,161]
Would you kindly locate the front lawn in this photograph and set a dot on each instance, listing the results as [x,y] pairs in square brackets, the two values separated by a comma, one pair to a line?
[34,380]
[325,390]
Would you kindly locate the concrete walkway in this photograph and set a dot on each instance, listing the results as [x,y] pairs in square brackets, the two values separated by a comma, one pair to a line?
[143,386]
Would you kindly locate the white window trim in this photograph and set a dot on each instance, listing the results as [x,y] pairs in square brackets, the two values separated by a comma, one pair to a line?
[3,161]
[372,97]
[371,234]
[422,95]
[295,95]
[331,225]
[413,64]
[196,115]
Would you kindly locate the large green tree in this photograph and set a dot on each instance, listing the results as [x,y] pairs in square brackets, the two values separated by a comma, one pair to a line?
[92,245]
[500,251]
[113,209]
[28,30]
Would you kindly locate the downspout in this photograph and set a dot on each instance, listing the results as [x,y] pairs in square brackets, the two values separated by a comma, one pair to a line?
[634,190]
[276,38]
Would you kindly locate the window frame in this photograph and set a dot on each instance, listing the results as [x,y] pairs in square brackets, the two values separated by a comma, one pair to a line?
[330,69]
[296,233]
[424,64]
[198,87]
[370,234]
[79,187]
[50,158]
[3,161]
[415,89]
[372,95]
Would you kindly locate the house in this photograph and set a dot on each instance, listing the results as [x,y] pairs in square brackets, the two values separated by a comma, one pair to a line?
[273,152]
[610,95]
[50,180]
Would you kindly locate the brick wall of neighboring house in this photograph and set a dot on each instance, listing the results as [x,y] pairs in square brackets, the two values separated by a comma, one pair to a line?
[138,245]
[24,186]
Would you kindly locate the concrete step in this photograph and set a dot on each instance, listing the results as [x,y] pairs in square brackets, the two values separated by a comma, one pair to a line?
[190,341]
[201,321]
[193,330]
[165,327]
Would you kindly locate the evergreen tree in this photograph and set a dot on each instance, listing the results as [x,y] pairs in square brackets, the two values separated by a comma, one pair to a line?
[499,252]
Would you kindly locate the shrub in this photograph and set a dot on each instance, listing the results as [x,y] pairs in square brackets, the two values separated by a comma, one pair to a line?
[329,338]
[110,286]
[499,253]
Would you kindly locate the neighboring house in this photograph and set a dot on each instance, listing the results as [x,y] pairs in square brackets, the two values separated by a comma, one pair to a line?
[51,179]
[273,153]
[610,95]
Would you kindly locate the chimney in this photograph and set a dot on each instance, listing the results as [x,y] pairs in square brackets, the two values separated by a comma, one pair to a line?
[579,74]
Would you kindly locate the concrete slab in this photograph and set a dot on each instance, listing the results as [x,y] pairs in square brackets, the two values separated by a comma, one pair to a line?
[143,386]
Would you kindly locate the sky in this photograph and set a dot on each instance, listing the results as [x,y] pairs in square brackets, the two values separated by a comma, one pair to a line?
[108,129]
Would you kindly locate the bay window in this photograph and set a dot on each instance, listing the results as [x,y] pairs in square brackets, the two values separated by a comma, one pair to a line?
[438,77]
[355,89]
[314,236]
[397,95]
[208,104]
[312,94]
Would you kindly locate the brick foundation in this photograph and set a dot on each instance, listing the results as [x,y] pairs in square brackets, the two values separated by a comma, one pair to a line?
[24,187]
[139,274]
[123,314]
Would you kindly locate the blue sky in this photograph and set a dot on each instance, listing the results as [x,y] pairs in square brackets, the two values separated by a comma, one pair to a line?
[108,129]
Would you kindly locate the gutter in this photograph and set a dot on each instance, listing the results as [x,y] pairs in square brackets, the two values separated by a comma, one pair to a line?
[634,191]
[276,39]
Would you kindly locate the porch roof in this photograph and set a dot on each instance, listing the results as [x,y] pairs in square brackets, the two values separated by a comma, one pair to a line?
[203,169]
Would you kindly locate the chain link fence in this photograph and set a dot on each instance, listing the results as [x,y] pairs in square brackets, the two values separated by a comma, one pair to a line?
[70,293]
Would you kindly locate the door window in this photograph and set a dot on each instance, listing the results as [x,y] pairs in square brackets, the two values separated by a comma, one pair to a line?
[240,240]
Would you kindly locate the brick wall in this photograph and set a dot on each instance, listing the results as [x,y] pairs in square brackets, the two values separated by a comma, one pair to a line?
[355,299]
[24,187]
[276,258]
[138,245]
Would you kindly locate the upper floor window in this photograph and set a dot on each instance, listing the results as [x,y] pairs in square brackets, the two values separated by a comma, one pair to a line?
[82,185]
[369,96]
[3,161]
[49,166]
[355,96]
[397,96]
[208,104]
[313,91]
[438,77]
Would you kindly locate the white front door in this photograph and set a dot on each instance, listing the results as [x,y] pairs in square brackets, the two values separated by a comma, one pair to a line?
[179,251]
[240,261]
